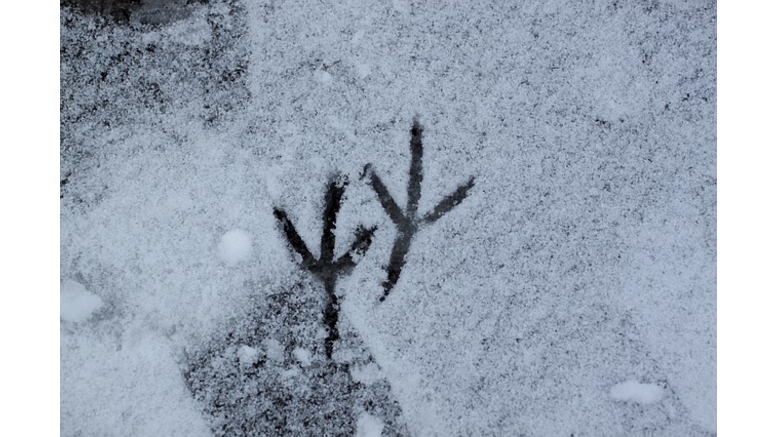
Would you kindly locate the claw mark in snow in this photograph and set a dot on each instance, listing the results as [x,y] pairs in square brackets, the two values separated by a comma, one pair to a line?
[409,222]
[326,268]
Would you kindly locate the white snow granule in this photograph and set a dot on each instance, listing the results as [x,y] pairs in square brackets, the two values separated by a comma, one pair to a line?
[366,374]
[247,355]
[363,70]
[290,373]
[273,349]
[235,247]
[303,356]
[76,304]
[369,426]
[633,391]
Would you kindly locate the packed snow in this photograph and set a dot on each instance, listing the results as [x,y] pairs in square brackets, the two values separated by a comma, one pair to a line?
[303,356]
[247,355]
[368,426]
[273,349]
[76,304]
[633,391]
[550,249]
[235,247]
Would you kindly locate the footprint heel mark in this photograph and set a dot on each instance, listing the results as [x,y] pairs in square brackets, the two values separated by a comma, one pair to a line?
[408,222]
[326,268]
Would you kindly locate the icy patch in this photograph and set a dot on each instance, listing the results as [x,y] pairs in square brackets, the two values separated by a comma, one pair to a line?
[369,426]
[303,356]
[235,247]
[633,391]
[76,304]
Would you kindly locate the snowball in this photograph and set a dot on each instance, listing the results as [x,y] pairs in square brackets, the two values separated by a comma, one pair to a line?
[633,391]
[76,304]
[303,356]
[369,426]
[235,247]
[274,350]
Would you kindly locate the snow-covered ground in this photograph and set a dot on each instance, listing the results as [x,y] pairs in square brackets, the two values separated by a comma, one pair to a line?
[570,290]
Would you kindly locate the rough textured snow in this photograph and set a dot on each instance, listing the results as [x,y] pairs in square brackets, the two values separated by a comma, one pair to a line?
[582,256]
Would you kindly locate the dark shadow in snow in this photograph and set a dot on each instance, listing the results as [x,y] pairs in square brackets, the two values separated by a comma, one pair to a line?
[249,380]
[409,222]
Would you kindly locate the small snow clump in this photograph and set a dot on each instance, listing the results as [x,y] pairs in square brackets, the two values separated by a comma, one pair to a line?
[369,426]
[76,304]
[247,355]
[633,391]
[235,247]
[303,356]
[273,348]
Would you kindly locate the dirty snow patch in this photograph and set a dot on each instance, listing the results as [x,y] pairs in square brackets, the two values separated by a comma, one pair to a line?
[369,426]
[235,247]
[633,391]
[76,304]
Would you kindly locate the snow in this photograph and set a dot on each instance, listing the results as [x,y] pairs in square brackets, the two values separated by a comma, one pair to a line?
[247,355]
[273,349]
[235,247]
[303,356]
[132,388]
[366,374]
[76,304]
[571,291]
[633,391]
[368,426]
